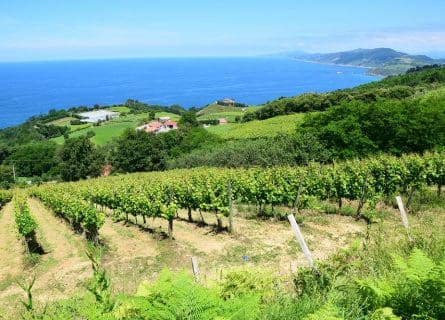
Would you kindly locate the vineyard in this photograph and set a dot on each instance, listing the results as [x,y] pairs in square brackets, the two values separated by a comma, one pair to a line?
[26,225]
[228,218]
[162,195]
[5,197]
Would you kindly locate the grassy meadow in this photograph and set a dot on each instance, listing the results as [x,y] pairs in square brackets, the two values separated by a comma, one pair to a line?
[257,128]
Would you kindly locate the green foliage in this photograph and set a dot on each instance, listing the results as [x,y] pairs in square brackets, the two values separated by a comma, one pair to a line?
[100,285]
[180,297]
[75,308]
[414,290]
[91,134]
[34,129]
[137,151]
[6,176]
[248,282]
[26,225]
[138,107]
[414,78]
[79,159]
[34,159]
[257,129]
[390,89]
[327,312]
[186,140]
[5,197]
[188,119]
[355,283]
[278,150]
[27,288]
[162,194]
[359,129]
[80,214]
[75,122]
[384,314]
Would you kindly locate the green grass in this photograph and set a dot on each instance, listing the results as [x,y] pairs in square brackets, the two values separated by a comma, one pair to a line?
[121,109]
[232,131]
[257,128]
[129,118]
[112,129]
[216,108]
[173,116]
[79,127]
[63,122]
[228,115]
[104,133]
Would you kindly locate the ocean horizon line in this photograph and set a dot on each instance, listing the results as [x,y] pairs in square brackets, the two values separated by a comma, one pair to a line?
[143,58]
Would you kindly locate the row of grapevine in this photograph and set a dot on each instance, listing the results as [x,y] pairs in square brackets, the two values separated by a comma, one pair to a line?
[80,214]
[26,225]
[5,197]
[161,194]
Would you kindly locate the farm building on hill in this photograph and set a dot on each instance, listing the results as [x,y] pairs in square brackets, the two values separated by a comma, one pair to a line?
[159,126]
[226,102]
[222,121]
[97,116]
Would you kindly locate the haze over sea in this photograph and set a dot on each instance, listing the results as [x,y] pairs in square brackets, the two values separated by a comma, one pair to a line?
[31,88]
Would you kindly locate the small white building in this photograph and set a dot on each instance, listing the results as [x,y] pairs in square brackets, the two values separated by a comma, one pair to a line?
[98,115]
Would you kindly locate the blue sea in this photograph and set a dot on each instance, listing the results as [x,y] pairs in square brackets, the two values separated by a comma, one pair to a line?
[30,88]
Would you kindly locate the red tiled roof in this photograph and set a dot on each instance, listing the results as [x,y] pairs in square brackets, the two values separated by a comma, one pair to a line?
[155,124]
[151,129]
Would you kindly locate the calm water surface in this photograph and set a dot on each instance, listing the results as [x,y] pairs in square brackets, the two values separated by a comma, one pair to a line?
[32,88]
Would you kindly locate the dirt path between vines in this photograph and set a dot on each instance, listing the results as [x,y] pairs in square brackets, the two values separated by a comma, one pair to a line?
[125,242]
[11,249]
[256,243]
[133,252]
[64,267]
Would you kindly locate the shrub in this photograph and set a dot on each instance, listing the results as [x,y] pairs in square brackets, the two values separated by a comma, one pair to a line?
[248,282]
[414,290]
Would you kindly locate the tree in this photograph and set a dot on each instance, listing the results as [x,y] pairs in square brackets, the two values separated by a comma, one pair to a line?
[151,115]
[138,151]
[5,152]
[188,119]
[79,159]
[6,176]
[396,126]
[306,148]
[34,159]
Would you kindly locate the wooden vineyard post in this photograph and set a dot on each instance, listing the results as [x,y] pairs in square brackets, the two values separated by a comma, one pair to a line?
[404,217]
[362,197]
[300,239]
[229,196]
[297,197]
[195,268]
[170,228]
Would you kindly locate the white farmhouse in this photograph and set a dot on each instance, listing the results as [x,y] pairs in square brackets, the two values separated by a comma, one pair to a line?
[98,115]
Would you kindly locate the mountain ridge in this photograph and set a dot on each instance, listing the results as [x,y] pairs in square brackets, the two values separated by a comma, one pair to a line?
[381,61]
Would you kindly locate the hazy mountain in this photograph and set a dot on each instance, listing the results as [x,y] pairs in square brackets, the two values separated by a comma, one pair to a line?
[382,61]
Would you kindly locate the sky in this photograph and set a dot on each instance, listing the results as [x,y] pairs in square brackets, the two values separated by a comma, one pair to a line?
[90,29]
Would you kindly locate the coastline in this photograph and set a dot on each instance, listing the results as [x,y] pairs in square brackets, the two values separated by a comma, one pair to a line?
[370,73]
